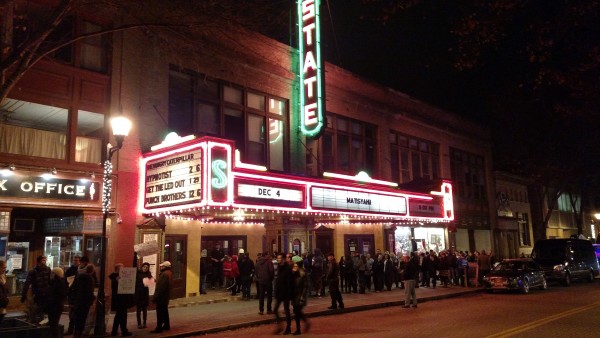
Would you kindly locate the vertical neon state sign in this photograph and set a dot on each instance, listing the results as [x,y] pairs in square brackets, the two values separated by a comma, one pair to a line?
[311,82]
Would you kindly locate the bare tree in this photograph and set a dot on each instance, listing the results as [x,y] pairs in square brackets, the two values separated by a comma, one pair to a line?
[30,29]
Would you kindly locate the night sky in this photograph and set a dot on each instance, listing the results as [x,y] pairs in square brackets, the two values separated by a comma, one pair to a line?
[529,70]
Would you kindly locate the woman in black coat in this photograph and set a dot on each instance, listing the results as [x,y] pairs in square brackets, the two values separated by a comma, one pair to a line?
[83,297]
[142,295]
[378,275]
[57,294]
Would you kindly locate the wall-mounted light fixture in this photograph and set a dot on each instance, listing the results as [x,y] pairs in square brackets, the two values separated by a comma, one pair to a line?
[8,170]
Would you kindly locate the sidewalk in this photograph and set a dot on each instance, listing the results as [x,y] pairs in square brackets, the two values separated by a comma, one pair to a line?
[217,311]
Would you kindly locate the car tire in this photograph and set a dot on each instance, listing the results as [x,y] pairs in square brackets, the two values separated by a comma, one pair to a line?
[525,288]
[544,285]
[567,280]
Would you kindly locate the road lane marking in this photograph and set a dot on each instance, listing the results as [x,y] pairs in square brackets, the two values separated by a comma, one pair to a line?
[540,322]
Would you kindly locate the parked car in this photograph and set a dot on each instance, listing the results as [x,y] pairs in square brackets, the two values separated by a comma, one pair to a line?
[566,259]
[515,274]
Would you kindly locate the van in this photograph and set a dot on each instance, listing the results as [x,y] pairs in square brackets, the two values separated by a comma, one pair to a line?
[566,259]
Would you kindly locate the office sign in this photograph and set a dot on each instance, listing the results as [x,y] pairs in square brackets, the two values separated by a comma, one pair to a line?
[49,188]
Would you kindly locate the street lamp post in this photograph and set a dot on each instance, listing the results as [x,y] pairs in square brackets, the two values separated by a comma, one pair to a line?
[120,128]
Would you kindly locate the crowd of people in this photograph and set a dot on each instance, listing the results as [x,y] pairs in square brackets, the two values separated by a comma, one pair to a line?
[46,292]
[290,278]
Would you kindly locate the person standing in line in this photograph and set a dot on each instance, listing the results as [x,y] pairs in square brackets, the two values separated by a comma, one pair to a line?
[369,272]
[317,272]
[343,281]
[56,300]
[246,267]
[333,276]
[284,292]
[39,280]
[142,294]
[203,271]
[217,256]
[265,273]
[300,294]
[119,303]
[411,273]
[82,291]
[361,267]
[71,272]
[162,294]
[3,290]
[378,273]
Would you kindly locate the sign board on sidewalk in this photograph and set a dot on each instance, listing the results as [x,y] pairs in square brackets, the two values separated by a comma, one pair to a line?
[127,281]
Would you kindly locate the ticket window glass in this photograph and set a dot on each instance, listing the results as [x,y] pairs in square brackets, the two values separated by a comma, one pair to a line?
[17,258]
[60,250]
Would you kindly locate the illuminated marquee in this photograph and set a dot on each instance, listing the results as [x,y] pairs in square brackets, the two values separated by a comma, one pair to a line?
[249,192]
[356,201]
[199,173]
[310,68]
[174,179]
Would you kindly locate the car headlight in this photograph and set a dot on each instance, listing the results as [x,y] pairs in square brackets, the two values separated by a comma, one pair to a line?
[558,267]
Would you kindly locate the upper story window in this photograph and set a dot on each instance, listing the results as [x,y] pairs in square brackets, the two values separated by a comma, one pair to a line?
[468,174]
[255,121]
[90,53]
[563,203]
[349,146]
[39,130]
[412,158]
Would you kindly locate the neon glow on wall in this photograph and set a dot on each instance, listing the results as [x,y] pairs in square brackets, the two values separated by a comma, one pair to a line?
[310,70]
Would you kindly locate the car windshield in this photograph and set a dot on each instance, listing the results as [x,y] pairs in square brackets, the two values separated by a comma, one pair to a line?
[510,266]
[549,250]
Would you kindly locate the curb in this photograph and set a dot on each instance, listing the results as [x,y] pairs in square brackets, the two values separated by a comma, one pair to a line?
[319,313]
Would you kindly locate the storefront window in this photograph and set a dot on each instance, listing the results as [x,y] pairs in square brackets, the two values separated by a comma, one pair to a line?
[60,250]
[430,239]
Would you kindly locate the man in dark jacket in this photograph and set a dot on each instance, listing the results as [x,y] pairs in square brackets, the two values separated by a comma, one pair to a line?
[71,272]
[217,256]
[39,280]
[333,280]
[284,291]
[119,303]
[246,268]
[82,293]
[411,273]
[264,274]
[162,294]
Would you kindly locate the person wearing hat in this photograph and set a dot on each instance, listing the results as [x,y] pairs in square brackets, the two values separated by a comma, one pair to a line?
[246,267]
[204,265]
[162,296]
